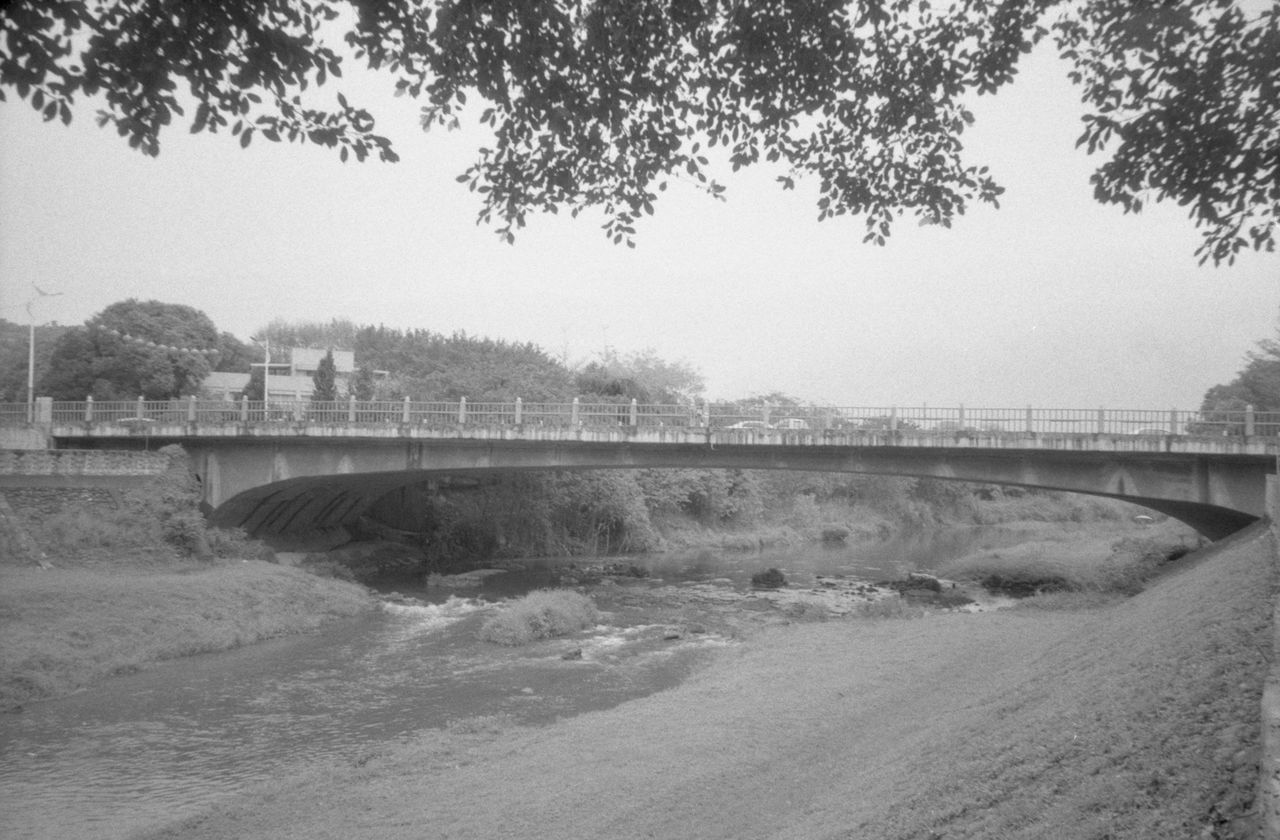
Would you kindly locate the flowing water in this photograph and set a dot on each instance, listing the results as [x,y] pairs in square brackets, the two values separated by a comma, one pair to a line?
[143,750]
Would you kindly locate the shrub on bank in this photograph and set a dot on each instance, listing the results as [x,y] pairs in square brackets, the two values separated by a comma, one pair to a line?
[540,615]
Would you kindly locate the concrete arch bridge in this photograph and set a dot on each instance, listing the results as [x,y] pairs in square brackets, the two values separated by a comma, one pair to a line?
[282,468]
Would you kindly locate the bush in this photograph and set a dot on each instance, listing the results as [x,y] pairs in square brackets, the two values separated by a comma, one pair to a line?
[835,534]
[235,543]
[540,615]
[185,531]
[769,579]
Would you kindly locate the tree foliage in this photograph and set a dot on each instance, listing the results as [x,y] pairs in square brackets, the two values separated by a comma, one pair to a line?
[1257,384]
[643,376]
[600,103]
[134,348]
[325,380]
[14,349]
[363,386]
[426,365]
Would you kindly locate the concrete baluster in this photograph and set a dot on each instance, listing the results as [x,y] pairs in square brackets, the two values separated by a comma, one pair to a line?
[88,409]
[1173,421]
[140,407]
[519,411]
[404,417]
[962,423]
[351,408]
[635,412]
[1102,421]
[1031,424]
[244,408]
[893,418]
[1248,421]
[706,415]
[462,411]
[573,413]
[191,409]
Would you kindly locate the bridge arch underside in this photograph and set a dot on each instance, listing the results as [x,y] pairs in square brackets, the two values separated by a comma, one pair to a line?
[294,489]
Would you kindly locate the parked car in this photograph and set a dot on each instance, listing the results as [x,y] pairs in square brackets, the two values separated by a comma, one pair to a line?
[750,424]
[791,423]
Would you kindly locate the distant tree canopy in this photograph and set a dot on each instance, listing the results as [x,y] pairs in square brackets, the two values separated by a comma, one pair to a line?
[134,348]
[14,348]
[425,365]
[640,376]
[599,103]
[1257,384]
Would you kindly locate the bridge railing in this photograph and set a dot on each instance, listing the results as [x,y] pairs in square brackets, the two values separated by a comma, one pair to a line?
[943,420]
[15,414]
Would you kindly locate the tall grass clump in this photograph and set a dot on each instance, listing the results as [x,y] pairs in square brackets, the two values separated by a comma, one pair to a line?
[540,615]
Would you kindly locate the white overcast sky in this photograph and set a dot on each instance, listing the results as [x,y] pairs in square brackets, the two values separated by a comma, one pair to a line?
[1052,300]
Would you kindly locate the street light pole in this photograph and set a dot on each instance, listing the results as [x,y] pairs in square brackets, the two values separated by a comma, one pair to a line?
[31,351]
[31,369]
[266,371]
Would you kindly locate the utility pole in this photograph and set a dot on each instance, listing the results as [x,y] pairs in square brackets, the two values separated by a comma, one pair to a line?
[265,364]
[31,351]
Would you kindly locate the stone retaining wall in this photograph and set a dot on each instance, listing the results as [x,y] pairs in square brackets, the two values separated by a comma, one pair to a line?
[80,462]
[22,438]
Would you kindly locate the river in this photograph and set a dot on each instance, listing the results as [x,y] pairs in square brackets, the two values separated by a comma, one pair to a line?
[142,750]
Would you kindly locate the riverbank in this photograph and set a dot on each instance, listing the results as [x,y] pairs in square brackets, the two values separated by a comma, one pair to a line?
[1139,719]
[61,629]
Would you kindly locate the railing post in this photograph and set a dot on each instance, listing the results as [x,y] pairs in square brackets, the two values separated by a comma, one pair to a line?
[961,417]
[1173,421]
[893,418]
[1102,421]
[573,413]
[519,411]
[191,408]
[244,408]
[1248,421]
[88,409]
[462,411]
[351,408]
[1031,424]
[706,415]
[404,417]
[44,411]
[635,412]
[139,414]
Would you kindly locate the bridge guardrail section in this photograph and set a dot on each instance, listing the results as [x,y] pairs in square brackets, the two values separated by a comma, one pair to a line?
[140,415]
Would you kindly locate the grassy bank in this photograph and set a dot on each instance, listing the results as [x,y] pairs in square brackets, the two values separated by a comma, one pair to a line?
[63,628]
[1087,561]
[1138,719]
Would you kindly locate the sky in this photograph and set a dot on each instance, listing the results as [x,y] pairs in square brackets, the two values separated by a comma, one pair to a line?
[1053,300]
